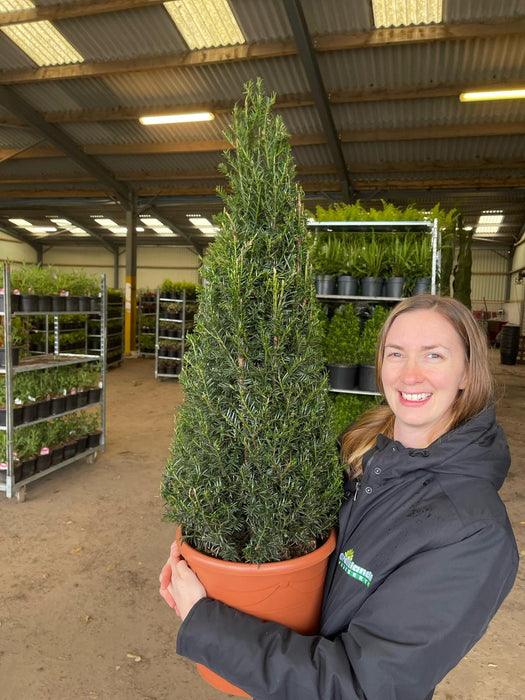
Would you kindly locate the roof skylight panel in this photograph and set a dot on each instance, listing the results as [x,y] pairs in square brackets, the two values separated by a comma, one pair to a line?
[402,13]
[39,40]
[43,43]
[205,23]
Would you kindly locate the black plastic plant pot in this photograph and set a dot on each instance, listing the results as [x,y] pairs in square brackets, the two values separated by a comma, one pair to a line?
[84,303]
[367,378]
[93,440]
[325,284]
[94,395]
[43,462]
[15,302]
[57,454]
[72,303]
[372,286]
[29,412]
[508,358]
[347,285]
[58,303]
[44,302]
[82,443]
[70,450]
[43,409]
[15,356]
[28,302]
[342,377]
[18,415]
[71,402]
[94,304]
[82,398]
[394,286]
[28,467]
[422,285]
[58,405]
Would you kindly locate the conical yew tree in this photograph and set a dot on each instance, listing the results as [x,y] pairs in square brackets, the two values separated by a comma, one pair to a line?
[254,474]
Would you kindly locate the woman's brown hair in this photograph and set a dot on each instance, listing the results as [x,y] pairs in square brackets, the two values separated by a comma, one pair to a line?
[469,402]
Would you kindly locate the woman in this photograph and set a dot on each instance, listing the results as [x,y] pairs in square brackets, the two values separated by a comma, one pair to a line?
[425,552]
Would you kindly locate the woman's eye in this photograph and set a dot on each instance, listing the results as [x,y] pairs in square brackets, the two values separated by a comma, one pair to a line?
[434,355]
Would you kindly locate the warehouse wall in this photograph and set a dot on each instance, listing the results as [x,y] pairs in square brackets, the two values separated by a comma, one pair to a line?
[515,305]
[489,280]
[15,251]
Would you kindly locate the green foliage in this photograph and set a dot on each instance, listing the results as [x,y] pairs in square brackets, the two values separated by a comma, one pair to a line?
[370,260]
[37,279]
[349,407]
[370,334]
[340,344]
[254,473]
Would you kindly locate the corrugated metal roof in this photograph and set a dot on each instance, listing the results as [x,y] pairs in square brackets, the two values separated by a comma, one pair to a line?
[13,58]
[501,147]
[424,64]
[331,16]
[469,10]
[136,33]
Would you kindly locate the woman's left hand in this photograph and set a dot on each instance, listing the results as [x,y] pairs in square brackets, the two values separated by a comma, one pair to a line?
[179,586]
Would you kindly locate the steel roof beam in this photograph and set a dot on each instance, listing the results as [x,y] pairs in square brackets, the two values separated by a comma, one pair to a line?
[94,234]
[151,209]
[19,107]
[297,21]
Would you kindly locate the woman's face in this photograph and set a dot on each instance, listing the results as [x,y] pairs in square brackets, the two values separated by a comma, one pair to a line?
[423,370]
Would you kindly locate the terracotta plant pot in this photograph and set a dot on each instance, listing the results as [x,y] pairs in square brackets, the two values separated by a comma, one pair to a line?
[289,592]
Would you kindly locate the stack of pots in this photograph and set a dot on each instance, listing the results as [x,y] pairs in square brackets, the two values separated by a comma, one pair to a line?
[509,344]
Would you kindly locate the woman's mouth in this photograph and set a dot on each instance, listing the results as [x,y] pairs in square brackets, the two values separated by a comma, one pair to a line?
[414,398]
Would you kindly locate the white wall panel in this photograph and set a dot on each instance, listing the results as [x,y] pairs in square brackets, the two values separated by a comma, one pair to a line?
[15,251]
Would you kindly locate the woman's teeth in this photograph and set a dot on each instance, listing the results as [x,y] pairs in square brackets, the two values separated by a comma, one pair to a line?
[415,397]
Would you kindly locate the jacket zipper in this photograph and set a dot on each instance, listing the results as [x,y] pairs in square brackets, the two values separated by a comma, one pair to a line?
[363,478]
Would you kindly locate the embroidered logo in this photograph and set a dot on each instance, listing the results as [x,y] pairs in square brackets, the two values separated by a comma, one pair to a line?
[346,562]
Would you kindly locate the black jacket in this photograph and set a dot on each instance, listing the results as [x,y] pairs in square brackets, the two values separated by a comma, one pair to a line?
[425,556]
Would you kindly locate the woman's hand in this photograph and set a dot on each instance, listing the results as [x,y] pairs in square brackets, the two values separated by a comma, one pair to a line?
[179,586]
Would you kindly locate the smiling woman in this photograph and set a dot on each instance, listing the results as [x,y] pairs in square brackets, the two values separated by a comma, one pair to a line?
[425,553]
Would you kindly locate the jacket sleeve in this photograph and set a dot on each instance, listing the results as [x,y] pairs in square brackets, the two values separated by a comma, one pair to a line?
[409,633]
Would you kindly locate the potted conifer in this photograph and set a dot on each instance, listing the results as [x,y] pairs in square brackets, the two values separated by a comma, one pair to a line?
[253,479]
[341,347]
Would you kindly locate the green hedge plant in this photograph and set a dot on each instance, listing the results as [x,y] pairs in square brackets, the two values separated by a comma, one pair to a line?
[254,474]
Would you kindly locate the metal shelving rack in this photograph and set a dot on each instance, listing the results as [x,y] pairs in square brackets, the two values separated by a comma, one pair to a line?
[105,333]
[145,301]
[11,487]
[179,325]
[384,227]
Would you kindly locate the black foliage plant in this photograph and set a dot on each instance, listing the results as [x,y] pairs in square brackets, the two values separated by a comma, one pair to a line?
[253,474]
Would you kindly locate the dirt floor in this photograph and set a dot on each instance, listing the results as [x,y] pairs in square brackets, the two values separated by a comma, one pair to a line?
[80,614]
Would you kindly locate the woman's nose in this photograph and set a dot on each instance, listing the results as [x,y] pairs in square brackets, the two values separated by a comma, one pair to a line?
[411,372]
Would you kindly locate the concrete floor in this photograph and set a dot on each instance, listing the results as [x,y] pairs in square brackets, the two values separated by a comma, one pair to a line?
[81,616]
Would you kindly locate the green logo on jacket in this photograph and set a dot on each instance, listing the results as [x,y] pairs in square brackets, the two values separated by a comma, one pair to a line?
[347,564]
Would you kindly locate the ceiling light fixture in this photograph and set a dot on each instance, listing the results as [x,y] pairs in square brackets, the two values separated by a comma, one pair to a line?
[489,222]
[176,118]
[485,95]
